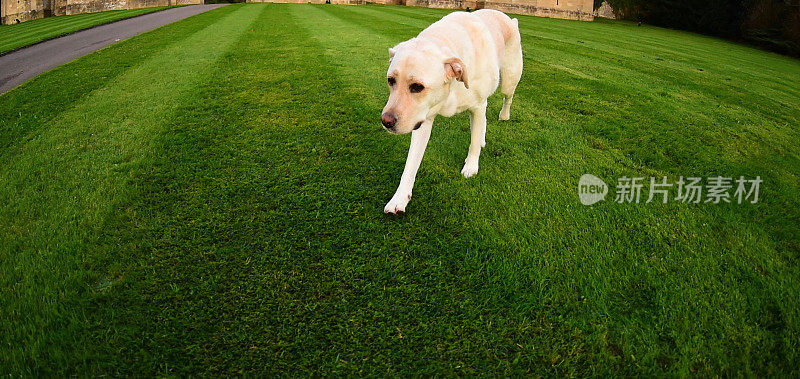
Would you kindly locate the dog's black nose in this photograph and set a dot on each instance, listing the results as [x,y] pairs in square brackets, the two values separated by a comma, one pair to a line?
[388,120]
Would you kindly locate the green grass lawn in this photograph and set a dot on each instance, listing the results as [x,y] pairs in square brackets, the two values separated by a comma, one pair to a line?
[207,198]
[30,32]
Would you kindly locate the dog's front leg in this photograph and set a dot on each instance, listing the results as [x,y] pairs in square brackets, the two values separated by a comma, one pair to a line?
[477,119]
[419,141]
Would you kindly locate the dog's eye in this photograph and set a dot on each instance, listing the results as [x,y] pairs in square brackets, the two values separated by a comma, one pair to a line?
[391,81]
[416,88]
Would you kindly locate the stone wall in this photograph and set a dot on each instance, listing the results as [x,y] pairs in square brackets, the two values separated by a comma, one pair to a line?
[13,11]
[569,9]
[345,2]
[24,10]
[82,6]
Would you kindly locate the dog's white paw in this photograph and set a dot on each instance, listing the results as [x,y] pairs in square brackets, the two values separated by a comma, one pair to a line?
[505,114]
[470,168]
[397,205]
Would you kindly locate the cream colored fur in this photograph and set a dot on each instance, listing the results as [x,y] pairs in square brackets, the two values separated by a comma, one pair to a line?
[458,61]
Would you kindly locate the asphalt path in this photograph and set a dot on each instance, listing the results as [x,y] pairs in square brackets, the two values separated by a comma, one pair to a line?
[19,66]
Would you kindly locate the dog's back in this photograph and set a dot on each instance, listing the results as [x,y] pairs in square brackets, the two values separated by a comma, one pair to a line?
[504,29]
[499,21]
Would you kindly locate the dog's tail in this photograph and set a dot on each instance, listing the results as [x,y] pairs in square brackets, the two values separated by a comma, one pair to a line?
[510,29]
[515,30]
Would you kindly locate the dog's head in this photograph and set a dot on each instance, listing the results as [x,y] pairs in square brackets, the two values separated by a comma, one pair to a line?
[419,77]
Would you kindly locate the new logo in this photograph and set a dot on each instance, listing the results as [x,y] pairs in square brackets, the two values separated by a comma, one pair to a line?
[591,189]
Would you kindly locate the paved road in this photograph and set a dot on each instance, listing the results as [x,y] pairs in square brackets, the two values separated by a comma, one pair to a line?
[21,65]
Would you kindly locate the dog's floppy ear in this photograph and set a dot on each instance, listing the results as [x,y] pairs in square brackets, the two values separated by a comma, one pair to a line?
[454,68]
[392,50]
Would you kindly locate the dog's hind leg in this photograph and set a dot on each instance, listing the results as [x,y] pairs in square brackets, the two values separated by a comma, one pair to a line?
[477,120]
[511,71]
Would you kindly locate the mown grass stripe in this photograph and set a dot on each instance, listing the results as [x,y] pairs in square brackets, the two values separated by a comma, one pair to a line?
[27,37]
[607,64]
[63,22]
[252,167]
[655,40]
[22,111]
[16,36]
[56,213]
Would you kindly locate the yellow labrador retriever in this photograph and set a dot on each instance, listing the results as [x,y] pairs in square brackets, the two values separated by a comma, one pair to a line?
[452,66]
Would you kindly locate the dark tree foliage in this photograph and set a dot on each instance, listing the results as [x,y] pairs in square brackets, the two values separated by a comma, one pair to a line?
[773,24]
[718,17]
